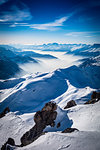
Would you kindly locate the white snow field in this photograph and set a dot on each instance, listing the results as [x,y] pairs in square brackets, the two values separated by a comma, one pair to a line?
[28,94]
[86,118]
[60,141]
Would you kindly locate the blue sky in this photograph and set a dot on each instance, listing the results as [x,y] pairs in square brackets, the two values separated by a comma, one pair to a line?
[44,21]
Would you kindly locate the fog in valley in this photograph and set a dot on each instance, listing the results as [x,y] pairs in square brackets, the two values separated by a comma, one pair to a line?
[48,65]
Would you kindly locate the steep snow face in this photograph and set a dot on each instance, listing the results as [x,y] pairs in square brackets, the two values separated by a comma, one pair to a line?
[31,94]
[28,94]
[92,68]
[80,95]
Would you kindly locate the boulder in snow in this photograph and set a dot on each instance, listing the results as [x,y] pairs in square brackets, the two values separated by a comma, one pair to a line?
[5,111]
[95,97]
[70,104]
[69,130]
[6,146]
[42,118]
[58,124]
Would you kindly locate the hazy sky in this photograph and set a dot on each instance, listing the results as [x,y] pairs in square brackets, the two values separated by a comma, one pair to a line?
[44,21]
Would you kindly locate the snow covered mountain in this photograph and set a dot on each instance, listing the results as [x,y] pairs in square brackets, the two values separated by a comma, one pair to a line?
[28,94]
[51,47]
[86,50]
[9,63]
[76,49]
[11,57]
[32,93]
[35,55]
[5,65]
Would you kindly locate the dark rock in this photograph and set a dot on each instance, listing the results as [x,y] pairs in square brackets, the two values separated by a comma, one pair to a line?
[38,117]
[5,111]
[7,146]
[45,116]
[58,125]
[11,141]
[49,107]
[69,130]
[42,118]
[70,104]
[32,134]
[95,97]
[92,101]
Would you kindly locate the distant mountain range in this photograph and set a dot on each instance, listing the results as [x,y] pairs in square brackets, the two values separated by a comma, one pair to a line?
[14,56]
[34,91]
[8,68]
[9,62]
[77,49]
[86,50]
[26,96]
[10,57]
[35,55]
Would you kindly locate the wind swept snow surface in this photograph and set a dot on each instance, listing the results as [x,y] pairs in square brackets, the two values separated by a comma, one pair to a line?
[85,117]
[62,141]
[32,92]
[24,96]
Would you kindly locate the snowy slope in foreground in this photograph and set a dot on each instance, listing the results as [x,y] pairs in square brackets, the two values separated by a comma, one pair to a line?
[85,117]
[61,141]
[29,94]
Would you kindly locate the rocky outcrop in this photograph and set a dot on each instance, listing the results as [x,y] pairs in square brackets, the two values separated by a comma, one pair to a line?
[32,134]
[7,146]
[70,104]
[5,111]
[69,130]
[91,101]
[42,118]
[95,97]
[58,125]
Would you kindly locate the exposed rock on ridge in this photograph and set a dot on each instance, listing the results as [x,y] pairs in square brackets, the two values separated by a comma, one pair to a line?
[42,118]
